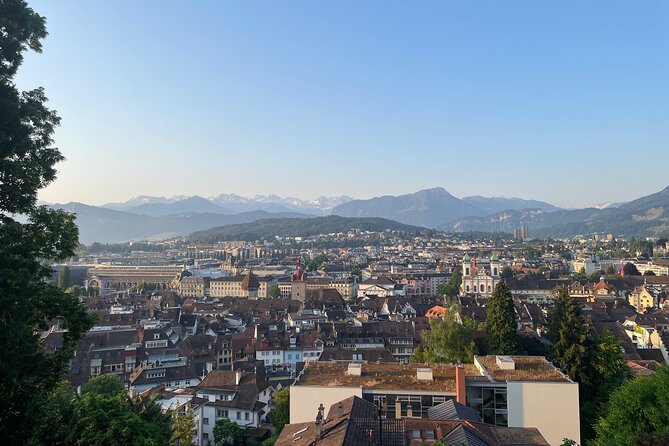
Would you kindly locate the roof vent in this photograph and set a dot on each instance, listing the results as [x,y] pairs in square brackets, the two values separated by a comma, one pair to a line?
[354,369]
[424,374]
[505,362]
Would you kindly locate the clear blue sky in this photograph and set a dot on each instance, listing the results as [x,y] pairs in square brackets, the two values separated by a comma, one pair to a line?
[562,101]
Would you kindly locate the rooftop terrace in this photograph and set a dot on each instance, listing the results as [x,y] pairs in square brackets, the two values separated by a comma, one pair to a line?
[381,376]
[519,368]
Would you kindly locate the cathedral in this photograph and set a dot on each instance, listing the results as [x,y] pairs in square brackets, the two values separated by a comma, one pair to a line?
[477,277]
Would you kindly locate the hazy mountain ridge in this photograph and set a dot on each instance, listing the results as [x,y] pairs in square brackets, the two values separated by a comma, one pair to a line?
[492,205]
[160,217]
[97,224]
[294,227]
[432,207]
[227,204]
[645,216]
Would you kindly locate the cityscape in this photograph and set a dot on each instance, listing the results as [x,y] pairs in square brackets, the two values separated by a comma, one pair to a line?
[172,306]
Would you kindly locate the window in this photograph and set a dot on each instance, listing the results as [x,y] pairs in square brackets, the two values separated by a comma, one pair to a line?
[205,435]
[246,416]
[205,420]
[239,415]
[156,336]
[221,413]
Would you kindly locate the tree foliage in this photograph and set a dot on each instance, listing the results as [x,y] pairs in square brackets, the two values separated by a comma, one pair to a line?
[452,288]
[228,433]
[595,362]
[506,272]
[105,415]
[280,414]
[501,323]
[27,301]
[274,291]
[568,334]
[449,340]
[637,413]
[183,428]
[630,269]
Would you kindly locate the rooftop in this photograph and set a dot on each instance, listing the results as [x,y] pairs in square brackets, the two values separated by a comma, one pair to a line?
[524,368]
[381,376]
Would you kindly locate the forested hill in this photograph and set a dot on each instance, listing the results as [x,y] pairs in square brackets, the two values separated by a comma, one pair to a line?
[299,227]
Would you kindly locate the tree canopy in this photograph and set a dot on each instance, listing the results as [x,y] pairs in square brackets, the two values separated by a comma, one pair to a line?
[27,301]
[228,433]
[501,323]
[637,413]
[568,333]
[450,340]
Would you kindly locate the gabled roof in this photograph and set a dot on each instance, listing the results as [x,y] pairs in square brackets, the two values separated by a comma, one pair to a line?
[452,410]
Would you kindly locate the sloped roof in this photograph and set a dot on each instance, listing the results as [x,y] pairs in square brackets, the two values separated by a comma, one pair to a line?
[250,282]
[452,410]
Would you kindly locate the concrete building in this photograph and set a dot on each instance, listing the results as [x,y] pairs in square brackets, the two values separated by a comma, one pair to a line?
[194,287]
[516,391]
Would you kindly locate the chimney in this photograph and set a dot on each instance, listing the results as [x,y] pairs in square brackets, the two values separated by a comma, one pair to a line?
[340,410]
[398,408]
[238,377]
[460,388]
[409,411]
[319,422]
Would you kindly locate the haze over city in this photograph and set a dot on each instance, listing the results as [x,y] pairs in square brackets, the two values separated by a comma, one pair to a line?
[522,99]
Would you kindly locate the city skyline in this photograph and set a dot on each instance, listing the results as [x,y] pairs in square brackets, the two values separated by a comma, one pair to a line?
[527,100]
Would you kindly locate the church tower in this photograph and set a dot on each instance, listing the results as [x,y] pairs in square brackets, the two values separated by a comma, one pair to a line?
[466,266]
[495,269]
[298,283]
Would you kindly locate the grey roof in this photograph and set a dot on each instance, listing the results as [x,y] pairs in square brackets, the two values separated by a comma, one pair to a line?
[452,410]
[462,436]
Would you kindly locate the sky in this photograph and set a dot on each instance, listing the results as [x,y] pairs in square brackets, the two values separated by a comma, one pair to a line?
[567,102]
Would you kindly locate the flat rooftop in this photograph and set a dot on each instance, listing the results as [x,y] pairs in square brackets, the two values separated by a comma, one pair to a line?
[525,368]
[386,376]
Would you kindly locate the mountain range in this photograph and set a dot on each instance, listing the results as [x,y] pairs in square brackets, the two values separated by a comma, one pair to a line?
[99,224]
[227,204]
[645,216]
[434,207]
[147,217]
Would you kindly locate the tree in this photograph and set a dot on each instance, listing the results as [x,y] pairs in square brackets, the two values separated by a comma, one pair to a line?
[274,291]
[57,417]
[27,300]
[596,276]
[228,433]
[449,340]
[606,371]
[105,415]
[637,412]
[452,288]
[568,333]
[183,428]
[630,269]
[280,414]
[506,272]
[501,323]
[64,278]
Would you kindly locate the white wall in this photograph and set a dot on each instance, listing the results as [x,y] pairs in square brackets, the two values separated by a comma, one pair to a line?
[551,407]
[304,400]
